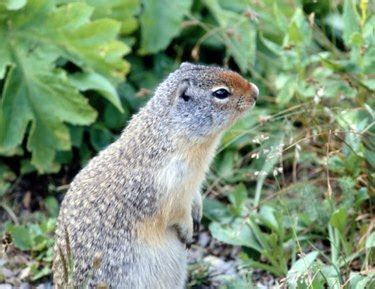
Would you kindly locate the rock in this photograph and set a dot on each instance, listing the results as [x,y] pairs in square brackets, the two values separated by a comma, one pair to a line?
[25,286]
[45,286]
[7,273]
[219,266]
[204,239]
[195,254]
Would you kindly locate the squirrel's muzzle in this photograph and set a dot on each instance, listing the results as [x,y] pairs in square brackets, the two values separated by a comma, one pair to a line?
[254,91]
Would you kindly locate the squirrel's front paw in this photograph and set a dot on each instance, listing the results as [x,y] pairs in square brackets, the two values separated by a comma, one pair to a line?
[185,234]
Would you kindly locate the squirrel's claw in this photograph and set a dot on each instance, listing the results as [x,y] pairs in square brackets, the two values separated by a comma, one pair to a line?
[196,226]
[196,212]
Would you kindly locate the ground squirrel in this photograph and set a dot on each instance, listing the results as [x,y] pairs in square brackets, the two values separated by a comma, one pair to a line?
[130,212]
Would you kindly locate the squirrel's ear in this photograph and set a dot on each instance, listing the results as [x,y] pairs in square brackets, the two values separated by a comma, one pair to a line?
[182,89]
[185,65]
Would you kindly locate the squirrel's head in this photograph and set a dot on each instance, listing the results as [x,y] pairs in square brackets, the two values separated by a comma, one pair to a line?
[205,100]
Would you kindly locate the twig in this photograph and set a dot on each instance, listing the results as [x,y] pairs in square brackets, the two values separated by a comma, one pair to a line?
[10,212]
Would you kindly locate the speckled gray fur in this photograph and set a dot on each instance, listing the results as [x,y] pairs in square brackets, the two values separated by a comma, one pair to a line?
[119,190]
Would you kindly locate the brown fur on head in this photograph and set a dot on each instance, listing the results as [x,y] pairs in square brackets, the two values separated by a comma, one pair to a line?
[205,100]
[244,91]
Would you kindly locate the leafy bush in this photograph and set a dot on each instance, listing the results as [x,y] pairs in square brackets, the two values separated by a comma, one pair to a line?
[293,183]
[38,94]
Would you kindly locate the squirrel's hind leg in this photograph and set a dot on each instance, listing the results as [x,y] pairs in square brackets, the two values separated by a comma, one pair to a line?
[161,267]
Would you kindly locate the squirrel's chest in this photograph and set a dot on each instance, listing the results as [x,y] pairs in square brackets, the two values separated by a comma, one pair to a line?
[180,174]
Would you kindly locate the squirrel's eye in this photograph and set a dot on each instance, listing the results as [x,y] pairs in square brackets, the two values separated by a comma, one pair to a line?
[185,97]
[221,93]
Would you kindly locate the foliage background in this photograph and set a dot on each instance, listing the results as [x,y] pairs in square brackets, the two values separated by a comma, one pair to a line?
[291,191]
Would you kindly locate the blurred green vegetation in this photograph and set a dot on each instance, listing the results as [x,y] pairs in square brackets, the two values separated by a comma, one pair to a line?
[293,182]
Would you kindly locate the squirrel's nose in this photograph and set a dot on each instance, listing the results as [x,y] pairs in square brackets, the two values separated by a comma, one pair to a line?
[254,91]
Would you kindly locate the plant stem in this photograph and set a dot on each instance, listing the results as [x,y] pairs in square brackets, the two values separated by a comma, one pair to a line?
[335,244]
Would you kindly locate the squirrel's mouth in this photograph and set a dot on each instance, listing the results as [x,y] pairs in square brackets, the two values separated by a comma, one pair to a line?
[245,104]
[247,101]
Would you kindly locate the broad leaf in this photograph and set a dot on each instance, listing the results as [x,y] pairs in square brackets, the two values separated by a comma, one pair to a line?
[238,34]
[21,237]
[100,137]
[339,219]
[298,30]
[38,95]
[14,4]
[120,10]
[351,20]
[332,276]
[215,210]
[46,100]
[94,81]
[271,218]
[361,281]
[300,269]
[237,233]
[161,22]
[238,197]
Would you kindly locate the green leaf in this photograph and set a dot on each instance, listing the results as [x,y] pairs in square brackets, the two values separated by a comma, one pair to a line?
[26,167]
[332,276]
[94,81]
[302,266]
[279,16]
[235,5]
[237,33]
[113,119]
[298,30]
[369,83]
[21,237]
[354,119]
[225,166]
[236,132]
[37,97]
[45,271]
[30,95]
[160,23]
[14,4]
[90,44]
[238,197]
[123,11]
[5,56]
[52,206]
[370,242]
[120,10]
[351,21]
[215,210]
[269,217]
[287,85]
[76,135]
[237,233]
[359,281]
[339,219]
[100,137]
[6,176]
